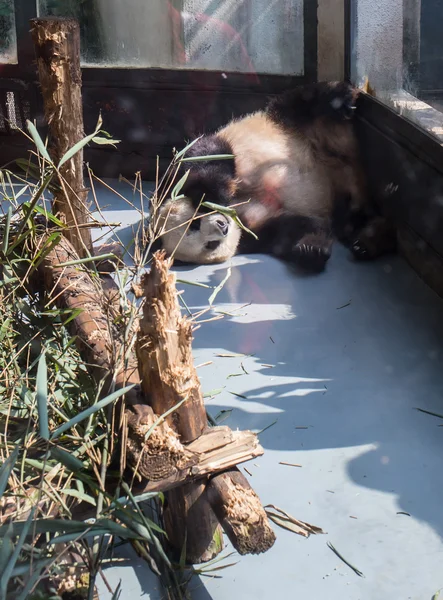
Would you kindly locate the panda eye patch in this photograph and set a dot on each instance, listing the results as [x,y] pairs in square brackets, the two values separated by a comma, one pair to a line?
[212,245]
[195,225]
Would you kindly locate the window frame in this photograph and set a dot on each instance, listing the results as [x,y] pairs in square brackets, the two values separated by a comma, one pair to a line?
[409,134]
[22,77]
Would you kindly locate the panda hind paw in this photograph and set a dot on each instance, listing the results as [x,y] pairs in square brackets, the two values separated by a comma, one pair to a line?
[311,257]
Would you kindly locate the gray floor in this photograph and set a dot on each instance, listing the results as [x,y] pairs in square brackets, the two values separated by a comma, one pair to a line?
[354,352]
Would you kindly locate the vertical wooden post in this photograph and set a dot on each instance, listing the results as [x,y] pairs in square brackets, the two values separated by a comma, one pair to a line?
[168,376]
[57,48]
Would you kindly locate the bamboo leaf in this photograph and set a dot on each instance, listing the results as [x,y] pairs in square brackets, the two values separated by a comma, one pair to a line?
[214,294]
[6,548]
[50,243]
[231,212]
[82,261]
[7,229]
[116,595]
[70,461]
[38,140]
[103,141]
[90,411]
[38,194]
[48,215]
[6,469]
[76,148]
[80,495]
[209,157]
[337,553]
[179,185]
[196,283]
[36,568]
[186,148]
[7,572]
[41,384]
[57,526]
[160,419]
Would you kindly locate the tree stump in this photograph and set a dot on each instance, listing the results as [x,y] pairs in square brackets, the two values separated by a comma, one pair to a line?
[57,47]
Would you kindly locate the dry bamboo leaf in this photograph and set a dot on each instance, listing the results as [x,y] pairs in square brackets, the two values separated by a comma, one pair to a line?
[286,521]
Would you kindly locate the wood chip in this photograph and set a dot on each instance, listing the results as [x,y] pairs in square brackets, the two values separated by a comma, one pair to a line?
[289,464]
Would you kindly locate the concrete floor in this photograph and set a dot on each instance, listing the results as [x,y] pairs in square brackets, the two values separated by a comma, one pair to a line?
[354,351]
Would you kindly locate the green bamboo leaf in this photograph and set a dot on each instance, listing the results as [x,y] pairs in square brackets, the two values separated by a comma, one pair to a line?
[50,243]
[162,417]
[28,211]
[5,329]
[48,215]
[76,148]
[73,463]
[140,498]
[116,595]
[231,212]
[196,283]
[178,186]
[6,548]
[103,141]
[7,572]
[7,229]
[90,411]
[81,496]
[38,140]
[35,567]
[82,261]
[6,469]
[41,384]
[186,148]
[214,294]
[74,314]
[208,158]
[57,526]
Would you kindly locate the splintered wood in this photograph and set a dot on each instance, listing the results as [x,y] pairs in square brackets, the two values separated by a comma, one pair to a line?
[165,354]
[184,449]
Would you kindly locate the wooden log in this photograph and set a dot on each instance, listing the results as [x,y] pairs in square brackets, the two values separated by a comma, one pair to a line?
[240,512]
[168,376]
[57,48]
[97,337]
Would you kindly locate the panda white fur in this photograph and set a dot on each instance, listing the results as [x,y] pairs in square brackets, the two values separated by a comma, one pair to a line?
[295,181]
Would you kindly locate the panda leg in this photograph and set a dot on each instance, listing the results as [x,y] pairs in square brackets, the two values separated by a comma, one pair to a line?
[376,238]
[303,241]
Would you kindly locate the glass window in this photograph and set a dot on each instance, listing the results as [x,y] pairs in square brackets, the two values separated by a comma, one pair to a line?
[397,52]
[8,37]
[263,36]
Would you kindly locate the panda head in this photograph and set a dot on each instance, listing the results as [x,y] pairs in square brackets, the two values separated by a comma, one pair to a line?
[206,237]
[202,238]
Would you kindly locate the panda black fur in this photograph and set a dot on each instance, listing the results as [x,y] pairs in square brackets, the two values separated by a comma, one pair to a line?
[295,180]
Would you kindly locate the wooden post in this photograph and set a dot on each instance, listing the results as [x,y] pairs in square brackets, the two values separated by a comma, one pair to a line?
[57,47]
[168,376]
[240,512]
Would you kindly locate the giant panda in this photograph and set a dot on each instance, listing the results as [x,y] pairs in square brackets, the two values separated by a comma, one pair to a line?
[295,180]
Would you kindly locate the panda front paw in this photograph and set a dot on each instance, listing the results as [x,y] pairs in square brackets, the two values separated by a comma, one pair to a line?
[311,257]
